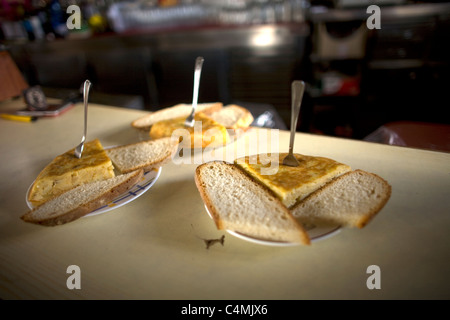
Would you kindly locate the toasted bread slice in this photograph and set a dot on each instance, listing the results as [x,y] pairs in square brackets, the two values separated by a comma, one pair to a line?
[79,201]
[350,200]
[179,110]
[291,184]
[145,155]
[238,203]
[233,117]
[66,171]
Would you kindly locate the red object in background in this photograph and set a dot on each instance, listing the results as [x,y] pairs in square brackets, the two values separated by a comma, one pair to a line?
[340,85]
[350,87]
[422,135]
[15,9]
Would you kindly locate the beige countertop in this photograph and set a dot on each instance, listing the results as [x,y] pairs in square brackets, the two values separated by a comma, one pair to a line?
[153,247]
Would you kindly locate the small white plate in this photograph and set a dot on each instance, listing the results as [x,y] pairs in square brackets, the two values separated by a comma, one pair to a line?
[147,181]
[315,233]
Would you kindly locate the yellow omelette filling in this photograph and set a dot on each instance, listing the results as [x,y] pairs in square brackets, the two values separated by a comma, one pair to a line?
[205,133]
[292,184]
[66,172]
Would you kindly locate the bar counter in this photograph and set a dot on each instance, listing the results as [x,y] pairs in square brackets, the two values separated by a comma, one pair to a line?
[154,247]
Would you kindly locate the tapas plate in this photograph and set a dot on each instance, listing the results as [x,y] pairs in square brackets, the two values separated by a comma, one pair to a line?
[147,181]
[315,232]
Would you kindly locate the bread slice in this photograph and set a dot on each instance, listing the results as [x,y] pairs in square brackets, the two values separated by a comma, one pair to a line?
[145,155]
[179,110]
[233,117]
[79,201]
[205,133]
[291,184]
[66,171]
[238,203]
[350,200]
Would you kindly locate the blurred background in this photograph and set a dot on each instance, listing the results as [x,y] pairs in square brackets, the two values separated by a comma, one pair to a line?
[140,54]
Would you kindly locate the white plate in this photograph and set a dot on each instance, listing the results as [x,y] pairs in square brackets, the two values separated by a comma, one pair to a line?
[147,181]
[315,233]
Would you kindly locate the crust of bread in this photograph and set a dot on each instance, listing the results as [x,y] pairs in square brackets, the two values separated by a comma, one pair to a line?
[213,199]
[56,217]
[179,110]
[146,155]
[351,200]
[233,116]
